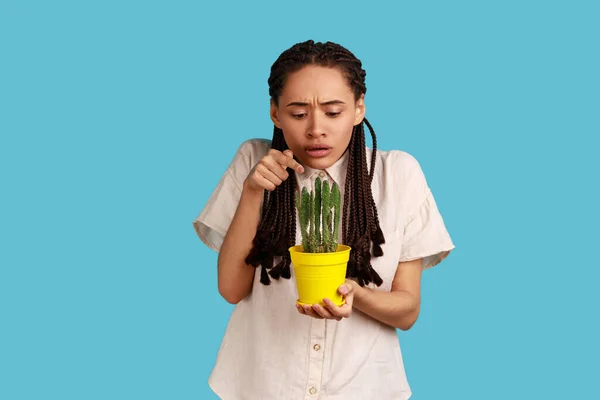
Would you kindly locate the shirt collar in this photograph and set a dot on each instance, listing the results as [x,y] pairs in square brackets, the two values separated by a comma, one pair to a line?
[336,172]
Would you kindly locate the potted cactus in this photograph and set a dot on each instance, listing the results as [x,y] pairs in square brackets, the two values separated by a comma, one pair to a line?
[319,262]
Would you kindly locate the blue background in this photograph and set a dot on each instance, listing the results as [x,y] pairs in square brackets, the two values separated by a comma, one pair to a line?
[118,118]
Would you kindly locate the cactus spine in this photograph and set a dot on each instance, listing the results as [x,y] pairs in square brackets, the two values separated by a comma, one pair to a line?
[319,214]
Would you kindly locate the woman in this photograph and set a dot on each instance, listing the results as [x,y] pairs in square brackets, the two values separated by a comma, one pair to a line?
[390,219]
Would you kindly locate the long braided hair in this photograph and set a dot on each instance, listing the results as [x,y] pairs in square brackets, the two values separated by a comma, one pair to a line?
[276,232]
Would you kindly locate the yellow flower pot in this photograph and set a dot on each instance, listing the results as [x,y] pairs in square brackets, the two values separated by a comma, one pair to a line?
[319,275]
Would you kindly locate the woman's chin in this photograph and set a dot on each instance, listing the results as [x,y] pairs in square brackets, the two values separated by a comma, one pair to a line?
[318,163]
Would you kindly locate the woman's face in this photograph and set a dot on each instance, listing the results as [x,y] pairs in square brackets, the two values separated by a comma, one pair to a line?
[317,112]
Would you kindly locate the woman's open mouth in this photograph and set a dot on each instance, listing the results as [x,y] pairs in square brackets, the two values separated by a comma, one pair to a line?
[318,150]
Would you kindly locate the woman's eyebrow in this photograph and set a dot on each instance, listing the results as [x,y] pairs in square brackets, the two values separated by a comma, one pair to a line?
[303,104]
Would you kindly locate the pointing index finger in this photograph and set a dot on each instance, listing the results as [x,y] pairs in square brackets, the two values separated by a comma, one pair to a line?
[288,161]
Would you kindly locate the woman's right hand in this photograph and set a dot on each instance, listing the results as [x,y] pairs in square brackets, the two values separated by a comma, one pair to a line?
[271,170]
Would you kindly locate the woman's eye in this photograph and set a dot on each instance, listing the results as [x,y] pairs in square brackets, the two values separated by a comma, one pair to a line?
[333,114]
[299,115]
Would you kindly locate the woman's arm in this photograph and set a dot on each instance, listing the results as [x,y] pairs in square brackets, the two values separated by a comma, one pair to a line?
[400,307]
[234,275]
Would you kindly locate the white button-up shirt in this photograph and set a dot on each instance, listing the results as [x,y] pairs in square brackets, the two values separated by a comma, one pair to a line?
[272,352]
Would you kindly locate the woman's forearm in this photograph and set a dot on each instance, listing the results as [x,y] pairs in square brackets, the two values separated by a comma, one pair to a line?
[234,275]
[399,309]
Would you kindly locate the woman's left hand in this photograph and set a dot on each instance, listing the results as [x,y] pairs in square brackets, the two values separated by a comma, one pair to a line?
[331,311]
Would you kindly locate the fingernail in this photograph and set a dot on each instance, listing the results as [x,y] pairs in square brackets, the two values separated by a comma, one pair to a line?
[343,290]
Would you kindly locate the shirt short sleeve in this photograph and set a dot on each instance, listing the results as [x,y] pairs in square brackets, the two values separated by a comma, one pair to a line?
[213,222]
[425,234]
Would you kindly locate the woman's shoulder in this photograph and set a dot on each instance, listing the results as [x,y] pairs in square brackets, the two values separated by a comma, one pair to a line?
[245,157]
[249,152]
[255,147]
[398,163]
[401,178]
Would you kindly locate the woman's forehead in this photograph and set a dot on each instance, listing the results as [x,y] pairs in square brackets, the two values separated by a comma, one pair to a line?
[315,81]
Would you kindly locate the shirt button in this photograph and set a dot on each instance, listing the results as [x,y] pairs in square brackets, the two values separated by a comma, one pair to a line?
[317,347]
[322,174]
[313,390]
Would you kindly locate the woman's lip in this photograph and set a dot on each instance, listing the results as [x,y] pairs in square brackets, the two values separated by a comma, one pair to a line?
[318,152]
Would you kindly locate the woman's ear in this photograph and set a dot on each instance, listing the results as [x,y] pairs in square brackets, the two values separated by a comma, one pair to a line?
[360,110]
[275,114]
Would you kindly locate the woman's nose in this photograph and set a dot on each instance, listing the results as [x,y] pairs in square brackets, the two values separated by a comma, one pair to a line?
[315,127]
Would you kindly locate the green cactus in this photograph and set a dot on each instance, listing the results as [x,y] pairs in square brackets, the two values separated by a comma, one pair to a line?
[312,234]
[325,196]
[336,200]
[319,214]
[303,214]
